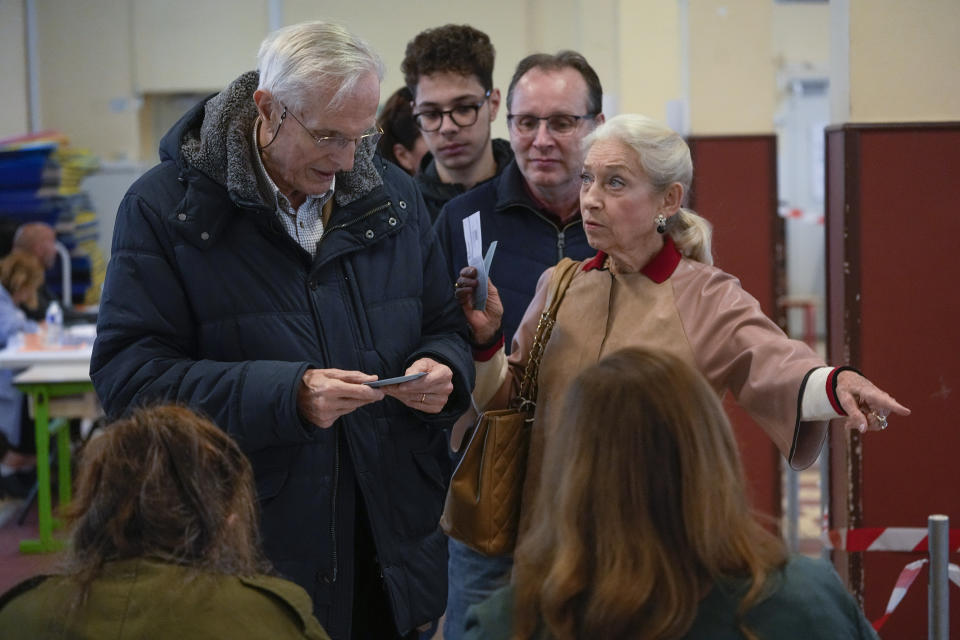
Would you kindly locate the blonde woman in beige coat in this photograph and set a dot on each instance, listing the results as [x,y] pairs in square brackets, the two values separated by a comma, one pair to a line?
[652,284]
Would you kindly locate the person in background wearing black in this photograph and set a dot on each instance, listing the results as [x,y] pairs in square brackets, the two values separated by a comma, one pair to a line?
[401,142]
[449,72]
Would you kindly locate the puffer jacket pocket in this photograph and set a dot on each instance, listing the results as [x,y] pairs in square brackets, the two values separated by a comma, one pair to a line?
[418,490]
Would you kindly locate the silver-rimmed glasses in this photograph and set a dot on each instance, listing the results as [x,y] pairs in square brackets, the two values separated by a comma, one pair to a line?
[329,143]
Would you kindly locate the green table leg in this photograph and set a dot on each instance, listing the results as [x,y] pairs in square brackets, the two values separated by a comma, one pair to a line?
[41,400]
[63,461]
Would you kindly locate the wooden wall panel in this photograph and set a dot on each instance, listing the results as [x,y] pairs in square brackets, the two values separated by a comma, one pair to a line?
[735,188]
[893,231]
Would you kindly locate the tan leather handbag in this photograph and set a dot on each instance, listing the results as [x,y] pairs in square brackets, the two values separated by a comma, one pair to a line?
[482,509]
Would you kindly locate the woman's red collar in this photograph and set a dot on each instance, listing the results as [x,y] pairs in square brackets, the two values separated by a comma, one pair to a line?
[658,269]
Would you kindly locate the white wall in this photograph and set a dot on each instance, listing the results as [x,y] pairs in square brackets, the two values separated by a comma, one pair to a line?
[14,116]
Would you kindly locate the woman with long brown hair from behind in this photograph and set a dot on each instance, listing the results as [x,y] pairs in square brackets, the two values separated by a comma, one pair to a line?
[164,544]
[645,531]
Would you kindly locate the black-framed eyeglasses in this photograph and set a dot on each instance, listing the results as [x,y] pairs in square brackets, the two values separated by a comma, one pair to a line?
[329,143]
[463,115]
[560,124]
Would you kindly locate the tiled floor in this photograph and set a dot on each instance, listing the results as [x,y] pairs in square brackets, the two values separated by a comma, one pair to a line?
[15,566]
[809,517]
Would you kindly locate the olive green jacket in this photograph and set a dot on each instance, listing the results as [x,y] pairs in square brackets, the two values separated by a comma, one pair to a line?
[145,598]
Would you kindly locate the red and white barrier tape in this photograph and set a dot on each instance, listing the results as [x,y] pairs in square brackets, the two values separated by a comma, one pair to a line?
[904,581]
[884,539]
[795,213]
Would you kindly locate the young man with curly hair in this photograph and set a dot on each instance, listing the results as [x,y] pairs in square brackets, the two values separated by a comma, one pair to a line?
[449,71]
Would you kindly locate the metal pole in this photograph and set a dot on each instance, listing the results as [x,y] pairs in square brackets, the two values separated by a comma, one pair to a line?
[33,65]
[825,490]
[938,598]
[793,509]
[274,14]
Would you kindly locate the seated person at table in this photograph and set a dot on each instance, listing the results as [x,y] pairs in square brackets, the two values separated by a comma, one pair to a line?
[40,240]
[646,532]
[21,274]
[164,544]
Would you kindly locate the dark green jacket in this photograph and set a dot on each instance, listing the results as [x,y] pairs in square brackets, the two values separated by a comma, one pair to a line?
[144,598]
[808,603]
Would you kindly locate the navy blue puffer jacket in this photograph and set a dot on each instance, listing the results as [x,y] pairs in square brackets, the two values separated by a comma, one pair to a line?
[208,302]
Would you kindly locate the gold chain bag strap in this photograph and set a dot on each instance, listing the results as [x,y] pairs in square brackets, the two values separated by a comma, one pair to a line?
[482,509]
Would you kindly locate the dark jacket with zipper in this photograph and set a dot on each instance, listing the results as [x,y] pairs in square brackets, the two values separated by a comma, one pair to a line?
[529,241]
[208,302]
[437,193]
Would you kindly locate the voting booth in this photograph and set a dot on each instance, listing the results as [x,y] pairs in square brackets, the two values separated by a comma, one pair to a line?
[735,188]
[893,233]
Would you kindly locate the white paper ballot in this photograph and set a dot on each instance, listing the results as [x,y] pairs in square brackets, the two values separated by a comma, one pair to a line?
[474,241]
[472,237]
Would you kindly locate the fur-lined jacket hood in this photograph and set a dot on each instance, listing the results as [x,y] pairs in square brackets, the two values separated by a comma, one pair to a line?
[214,138]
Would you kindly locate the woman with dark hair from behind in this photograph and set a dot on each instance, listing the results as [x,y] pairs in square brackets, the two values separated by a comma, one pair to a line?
[401,142]
[164,544]
[646,532]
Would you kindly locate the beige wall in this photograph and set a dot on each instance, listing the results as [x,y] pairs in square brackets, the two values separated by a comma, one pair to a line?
[85,75]
[217,42]
[649,57]
[97,57]
[14,116]
[894,62]
[904,60]
[732,71]
[801,36]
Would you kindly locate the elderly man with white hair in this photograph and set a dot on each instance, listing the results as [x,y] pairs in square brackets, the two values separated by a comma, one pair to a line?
[266,271]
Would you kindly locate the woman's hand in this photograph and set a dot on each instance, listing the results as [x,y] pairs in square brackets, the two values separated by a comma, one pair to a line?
[484,324]
[867,406]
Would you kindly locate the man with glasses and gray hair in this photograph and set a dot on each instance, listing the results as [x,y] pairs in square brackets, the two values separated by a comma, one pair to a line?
[449,71]
[532,210]
[264,273]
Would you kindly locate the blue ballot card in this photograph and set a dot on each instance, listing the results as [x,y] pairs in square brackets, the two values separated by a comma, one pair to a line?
[397,380]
